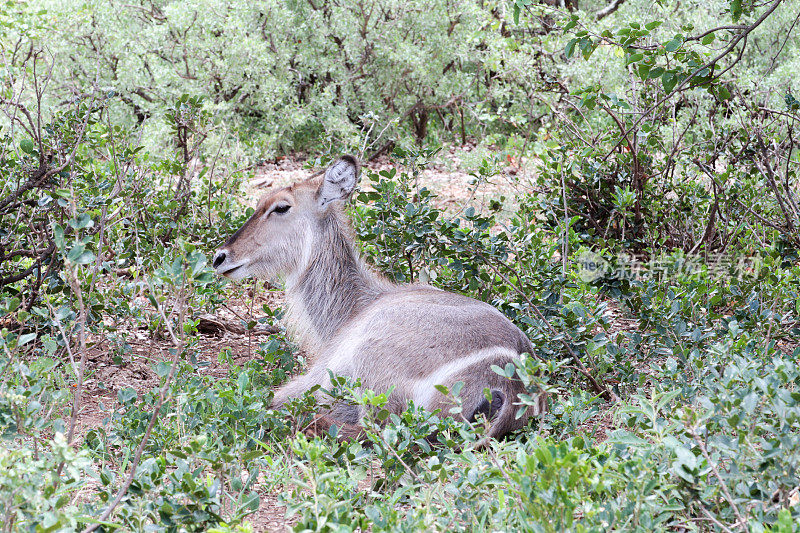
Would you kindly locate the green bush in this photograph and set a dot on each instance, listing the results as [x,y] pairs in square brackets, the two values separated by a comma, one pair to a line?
[652,260]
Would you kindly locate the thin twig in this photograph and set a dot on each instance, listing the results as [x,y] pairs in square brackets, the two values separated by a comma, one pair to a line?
[682,85]
[716,522]
[606,393]
[161,397]
[739,518]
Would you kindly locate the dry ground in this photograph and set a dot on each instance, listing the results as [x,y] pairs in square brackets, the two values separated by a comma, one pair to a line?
[448,177]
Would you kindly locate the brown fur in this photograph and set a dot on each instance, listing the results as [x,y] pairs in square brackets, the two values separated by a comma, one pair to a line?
[358,324]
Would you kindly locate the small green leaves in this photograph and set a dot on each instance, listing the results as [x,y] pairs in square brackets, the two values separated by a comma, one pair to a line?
[79,255]
[634,58]
[583,43]
[621,437]
[163,368]
[242,382]
[82,221]
[27,146]
[686,465]
[11,304]
[570,49]
[675,43]
[736,10]
[126,395]
[669,80]
[519,5]
[26,338]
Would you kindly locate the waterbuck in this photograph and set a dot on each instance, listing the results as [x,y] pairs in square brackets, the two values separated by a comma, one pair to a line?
[356,323]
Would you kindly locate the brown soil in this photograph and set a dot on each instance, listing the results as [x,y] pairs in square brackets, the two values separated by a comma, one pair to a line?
[447,177]
[105,378]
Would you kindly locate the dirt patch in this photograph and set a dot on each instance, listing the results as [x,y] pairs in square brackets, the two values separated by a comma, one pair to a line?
[450,177]
[126,358]
[271,515]
[106,375]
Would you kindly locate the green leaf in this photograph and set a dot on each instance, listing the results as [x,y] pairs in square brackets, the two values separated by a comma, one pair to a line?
[50,345]
[626,438]
[25,339]
[708,39]
[587,47]
[75,252]
[669,80]
[163,368]
[85,258]
[685,464]
[750,402]
[242,381]
[674,44]
[27,146]
[82,221]
[653,25]
[12,304]
[251,502]
[570,49]
[634,58]
[126,395]
[736,9]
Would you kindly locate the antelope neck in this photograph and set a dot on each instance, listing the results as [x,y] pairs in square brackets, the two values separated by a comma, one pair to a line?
[335,284]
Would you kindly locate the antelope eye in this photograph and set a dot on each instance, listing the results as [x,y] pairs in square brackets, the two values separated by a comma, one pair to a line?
[281,209]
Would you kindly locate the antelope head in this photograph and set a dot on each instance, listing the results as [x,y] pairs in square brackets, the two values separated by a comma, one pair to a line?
[276,242]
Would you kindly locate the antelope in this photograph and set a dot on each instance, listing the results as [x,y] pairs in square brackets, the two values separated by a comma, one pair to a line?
[356,323]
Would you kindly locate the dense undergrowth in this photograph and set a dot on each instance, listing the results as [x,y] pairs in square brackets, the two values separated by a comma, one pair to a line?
[653,262]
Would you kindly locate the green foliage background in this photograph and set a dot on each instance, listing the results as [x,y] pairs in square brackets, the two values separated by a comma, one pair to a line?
[129,129]
[283,76]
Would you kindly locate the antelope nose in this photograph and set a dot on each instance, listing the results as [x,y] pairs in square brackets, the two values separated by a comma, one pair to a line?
[219,258]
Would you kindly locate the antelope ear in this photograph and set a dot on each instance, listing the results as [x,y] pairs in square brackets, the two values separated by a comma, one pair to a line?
[339,182]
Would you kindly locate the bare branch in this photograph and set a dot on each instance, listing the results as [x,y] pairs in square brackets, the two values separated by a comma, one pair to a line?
[610,8]
[709,65]
[740,520]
